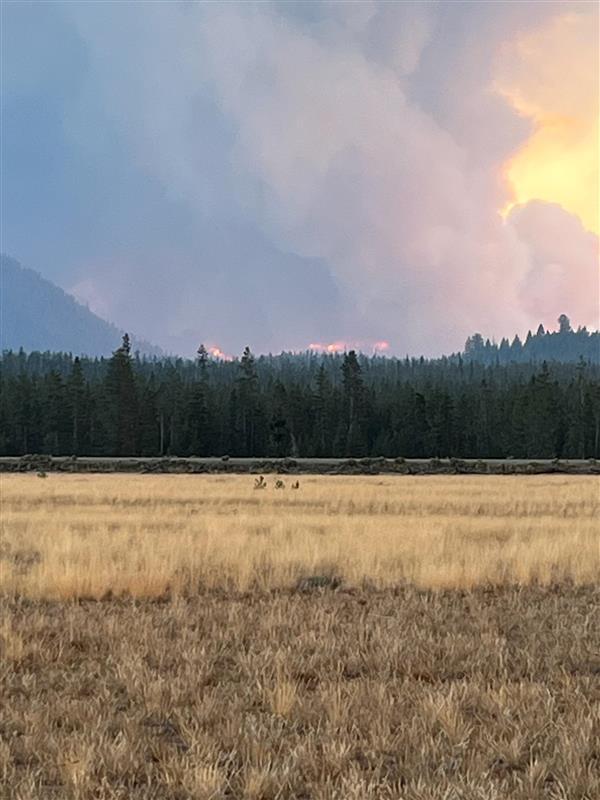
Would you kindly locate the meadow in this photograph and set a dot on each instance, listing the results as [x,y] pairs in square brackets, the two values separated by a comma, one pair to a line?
[77,536]
[181,636]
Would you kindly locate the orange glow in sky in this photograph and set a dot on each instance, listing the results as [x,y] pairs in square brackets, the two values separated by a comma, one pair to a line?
[331,347]
[550,77]
[217,353]
[342,346]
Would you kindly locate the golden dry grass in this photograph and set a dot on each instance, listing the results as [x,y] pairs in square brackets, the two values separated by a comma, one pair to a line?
[457,660]
[351,695]
[86,536]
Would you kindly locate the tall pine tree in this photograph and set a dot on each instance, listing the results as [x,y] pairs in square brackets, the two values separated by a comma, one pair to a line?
[122,402]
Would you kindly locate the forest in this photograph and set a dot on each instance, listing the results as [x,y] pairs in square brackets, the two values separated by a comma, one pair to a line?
[306,405]
[565,344]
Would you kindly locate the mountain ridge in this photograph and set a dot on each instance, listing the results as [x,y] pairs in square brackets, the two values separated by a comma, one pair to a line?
[36,314]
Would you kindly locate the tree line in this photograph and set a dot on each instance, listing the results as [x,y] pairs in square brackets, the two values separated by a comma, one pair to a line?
[298,405]
[565,344]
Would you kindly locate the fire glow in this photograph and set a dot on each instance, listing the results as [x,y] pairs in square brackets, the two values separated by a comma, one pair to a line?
[333,347]
[217,353]
[341,346]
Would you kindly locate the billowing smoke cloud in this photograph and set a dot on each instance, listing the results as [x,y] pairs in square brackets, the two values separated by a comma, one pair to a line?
[337,142]
[563,263]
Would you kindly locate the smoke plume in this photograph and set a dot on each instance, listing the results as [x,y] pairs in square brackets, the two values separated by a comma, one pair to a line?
[379,141]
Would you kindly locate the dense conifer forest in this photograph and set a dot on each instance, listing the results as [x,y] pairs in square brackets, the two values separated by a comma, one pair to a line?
[539,399]
[565,344]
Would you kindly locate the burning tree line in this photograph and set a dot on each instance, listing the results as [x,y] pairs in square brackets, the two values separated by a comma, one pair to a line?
[303,405]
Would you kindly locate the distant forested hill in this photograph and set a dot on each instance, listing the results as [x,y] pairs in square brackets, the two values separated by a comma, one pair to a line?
[38,315]
[565,344]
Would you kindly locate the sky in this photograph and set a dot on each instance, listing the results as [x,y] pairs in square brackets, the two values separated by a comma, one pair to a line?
[392,176]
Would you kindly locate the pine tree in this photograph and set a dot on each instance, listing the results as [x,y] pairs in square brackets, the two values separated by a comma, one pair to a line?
[76,391]
[149,430]
[420,437]
[354,397]
[543,421]
[322,434]
[202,361]
[122,402]
[197,421]
[592,415]
[475,348]
[171,406]
[564,324]
[248,402]
[233,440]
[199,424]
[280,434]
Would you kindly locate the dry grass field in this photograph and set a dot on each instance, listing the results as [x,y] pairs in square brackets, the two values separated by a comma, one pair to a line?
[149,536]
[191,637]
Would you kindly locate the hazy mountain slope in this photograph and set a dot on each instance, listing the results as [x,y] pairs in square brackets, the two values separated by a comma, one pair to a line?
[38,315]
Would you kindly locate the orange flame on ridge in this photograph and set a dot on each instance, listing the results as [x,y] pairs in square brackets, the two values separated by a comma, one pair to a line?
[332,347]
[341,346]
[381,346]
[217,353]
